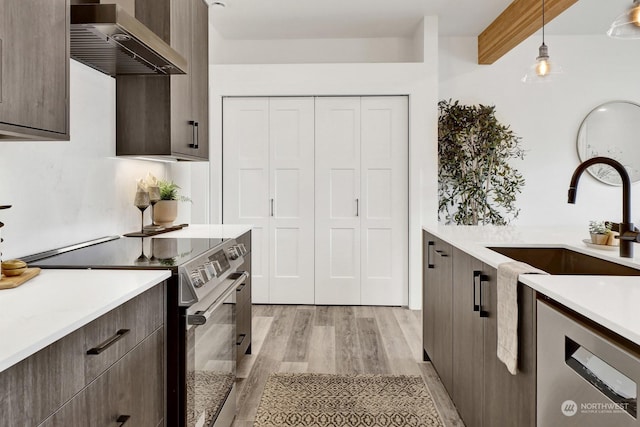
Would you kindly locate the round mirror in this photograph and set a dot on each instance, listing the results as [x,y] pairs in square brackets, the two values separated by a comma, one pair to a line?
[612,130]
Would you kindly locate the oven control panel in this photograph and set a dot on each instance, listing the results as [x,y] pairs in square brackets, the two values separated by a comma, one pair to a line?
[203,273]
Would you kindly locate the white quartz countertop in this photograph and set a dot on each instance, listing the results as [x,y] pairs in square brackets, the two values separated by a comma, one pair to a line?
[58,302]
[611,301]
[209,231]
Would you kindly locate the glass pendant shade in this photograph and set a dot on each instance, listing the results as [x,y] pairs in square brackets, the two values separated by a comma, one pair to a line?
[627,25]
[544,70]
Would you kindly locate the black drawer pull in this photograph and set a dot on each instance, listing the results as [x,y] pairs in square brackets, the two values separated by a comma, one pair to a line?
[441,253]
[240,339]
[483,279]
[240,287]
[429,262]
[108,343]
[476,274]
[122,419]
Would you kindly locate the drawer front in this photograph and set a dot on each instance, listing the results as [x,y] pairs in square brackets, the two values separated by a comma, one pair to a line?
[111,336]
[34,388]
[130,393]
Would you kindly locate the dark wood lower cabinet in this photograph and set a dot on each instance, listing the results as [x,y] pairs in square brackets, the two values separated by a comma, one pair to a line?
[131,390]
[437,315]
[464,353]
[510,400]
[95,374]
[468,338]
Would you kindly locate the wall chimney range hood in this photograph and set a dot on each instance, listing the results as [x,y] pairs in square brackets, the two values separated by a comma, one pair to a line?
[108,39]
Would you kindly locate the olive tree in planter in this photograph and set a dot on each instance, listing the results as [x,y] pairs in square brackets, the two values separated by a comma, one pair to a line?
[476,182]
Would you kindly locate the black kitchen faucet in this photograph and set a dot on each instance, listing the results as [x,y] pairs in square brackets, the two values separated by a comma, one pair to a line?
[627,234]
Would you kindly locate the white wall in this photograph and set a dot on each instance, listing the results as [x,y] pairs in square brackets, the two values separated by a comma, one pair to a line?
[67,192]
[547,117]
[418,80]
[306,51]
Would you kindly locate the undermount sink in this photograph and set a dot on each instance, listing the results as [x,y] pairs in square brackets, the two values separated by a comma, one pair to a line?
[560,261]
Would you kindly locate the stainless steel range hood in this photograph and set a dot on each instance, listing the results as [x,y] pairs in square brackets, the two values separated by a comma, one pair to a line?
[107,38]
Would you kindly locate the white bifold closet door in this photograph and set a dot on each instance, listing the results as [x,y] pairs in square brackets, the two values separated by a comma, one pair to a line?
[361,187]
[268,174]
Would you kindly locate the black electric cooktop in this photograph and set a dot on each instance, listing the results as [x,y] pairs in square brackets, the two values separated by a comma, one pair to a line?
[130,253]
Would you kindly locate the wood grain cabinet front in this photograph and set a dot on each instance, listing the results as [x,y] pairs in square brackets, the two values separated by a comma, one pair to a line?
[124,347]
[130,393]
[460,330]
[168,115]
[34,69]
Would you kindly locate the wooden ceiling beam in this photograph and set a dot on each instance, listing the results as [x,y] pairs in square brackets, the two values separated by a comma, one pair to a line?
[520,19]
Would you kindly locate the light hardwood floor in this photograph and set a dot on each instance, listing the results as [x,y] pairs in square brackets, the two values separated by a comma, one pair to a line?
[335,339]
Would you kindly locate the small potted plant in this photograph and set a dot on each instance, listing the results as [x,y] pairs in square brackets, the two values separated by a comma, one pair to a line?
[599,231]
[166,210]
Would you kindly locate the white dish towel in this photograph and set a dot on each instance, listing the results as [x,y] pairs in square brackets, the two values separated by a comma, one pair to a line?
[508,273]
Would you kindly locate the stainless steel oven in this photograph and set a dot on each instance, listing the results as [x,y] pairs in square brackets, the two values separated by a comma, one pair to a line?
[211,356]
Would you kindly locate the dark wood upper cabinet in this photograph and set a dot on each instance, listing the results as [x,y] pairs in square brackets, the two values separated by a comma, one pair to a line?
[168,115]
[34,69]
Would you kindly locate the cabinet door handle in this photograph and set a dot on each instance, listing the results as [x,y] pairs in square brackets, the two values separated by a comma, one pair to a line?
[430,263]
[476,275]
[272,207]
[441,253]
[240,339]
[357,207]
[483,279]
[108,343]
[195,134]
[122,419]
[239,289]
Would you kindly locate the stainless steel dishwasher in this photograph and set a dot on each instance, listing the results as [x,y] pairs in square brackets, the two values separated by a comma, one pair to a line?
[584,377]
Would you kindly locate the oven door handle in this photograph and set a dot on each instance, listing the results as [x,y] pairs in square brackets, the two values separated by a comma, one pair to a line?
[201,317]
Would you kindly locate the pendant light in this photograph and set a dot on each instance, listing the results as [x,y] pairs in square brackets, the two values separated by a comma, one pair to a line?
[543,70]
[627,25]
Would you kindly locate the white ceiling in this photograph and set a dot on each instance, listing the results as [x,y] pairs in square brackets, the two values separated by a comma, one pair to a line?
[273,19]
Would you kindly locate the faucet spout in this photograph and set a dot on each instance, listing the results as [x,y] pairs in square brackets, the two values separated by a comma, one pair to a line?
[627,233]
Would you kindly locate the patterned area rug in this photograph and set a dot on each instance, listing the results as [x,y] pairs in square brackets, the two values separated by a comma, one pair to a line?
[318,400]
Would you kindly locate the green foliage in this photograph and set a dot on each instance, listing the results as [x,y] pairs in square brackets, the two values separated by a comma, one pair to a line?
[599,227]
[476,183]
[169,191]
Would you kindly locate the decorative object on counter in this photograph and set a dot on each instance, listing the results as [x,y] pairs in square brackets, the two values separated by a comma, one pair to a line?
[166,210]
[15,281]
[543,70]
[476,182]
[154,197]
[142,201]
[611,130]
[1,240]
[606,247]
[13,267]
[600,231]
[627,24]
[148,233]
[628,235]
